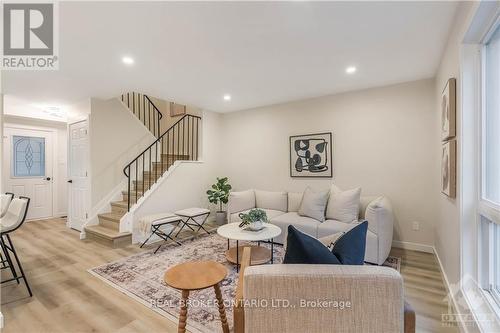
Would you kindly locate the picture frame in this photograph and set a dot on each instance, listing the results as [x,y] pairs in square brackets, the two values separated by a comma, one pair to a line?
[448,168]
[177,110]
[448,110]
[311,155]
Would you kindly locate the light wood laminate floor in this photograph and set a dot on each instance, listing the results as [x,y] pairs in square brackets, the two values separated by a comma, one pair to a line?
[68,299]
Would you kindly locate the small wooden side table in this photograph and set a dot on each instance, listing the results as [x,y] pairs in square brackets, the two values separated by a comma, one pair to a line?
[197,275]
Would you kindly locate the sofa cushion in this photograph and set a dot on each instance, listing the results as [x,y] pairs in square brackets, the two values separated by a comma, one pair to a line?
[269,212]
[304,249]
[314,204]
[350,247]
[271,200]
[294,200]
[372,249]
[302,223]
[240,201]
[343,206]
[330,227]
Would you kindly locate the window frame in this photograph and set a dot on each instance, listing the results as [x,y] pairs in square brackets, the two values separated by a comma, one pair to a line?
[14,160]
[488,212]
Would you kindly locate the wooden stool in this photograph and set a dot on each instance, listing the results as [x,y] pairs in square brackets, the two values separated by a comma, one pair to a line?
[195,276]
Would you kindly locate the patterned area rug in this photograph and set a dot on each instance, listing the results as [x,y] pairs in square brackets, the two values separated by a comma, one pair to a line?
[141,277]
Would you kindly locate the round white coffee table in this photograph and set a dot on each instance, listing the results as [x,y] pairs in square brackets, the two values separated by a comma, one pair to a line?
[259,254]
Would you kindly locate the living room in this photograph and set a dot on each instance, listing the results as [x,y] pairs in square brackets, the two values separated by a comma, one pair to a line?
[253,167]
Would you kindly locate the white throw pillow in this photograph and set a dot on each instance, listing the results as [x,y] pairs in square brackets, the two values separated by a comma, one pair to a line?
[240,201]
[313,204]
[330,240]
[343,206]
[294,200]
[271,200]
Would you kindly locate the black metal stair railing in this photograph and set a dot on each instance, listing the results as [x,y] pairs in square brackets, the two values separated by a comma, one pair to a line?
[144,109]
[179,142]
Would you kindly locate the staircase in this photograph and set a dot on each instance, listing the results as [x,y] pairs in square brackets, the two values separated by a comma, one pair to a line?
[177,143]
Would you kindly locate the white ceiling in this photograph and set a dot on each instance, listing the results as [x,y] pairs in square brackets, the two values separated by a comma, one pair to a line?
[260,53]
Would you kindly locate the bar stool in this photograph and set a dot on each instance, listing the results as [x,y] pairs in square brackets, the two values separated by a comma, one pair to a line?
[5,200]
[12,220]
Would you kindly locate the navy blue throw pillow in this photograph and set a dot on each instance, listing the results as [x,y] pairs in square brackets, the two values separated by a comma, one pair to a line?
[304,249]
[350,247]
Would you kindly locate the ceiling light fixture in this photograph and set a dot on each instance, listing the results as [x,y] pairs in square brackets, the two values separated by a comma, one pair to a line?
[227,97]
[128,60]
[350,70]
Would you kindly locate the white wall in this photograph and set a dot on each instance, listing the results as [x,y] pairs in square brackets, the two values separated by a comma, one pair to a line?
[78,111]
[116,138]
[384,141]
[1,135]
[447,226]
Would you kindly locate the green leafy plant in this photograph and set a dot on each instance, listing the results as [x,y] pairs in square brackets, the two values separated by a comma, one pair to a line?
[253,215]
[219,193]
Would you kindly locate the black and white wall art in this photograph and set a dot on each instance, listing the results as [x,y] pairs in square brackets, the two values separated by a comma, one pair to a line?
[448,110]
[311,155]
[448,168]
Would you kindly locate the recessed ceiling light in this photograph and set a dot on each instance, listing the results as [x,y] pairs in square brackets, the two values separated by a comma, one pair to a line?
[227,97]
[350,70]
[128,60]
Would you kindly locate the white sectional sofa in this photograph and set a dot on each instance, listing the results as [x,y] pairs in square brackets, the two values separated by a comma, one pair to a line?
[282,210]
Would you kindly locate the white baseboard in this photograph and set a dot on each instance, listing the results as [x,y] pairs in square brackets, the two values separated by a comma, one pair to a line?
[452,295]
[413,246]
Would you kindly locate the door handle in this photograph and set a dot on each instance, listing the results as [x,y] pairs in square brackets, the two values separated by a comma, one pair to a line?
[70,181]
[48,178]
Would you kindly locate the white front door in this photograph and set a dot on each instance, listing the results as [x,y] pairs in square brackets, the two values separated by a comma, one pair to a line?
[28,168]
[78,174]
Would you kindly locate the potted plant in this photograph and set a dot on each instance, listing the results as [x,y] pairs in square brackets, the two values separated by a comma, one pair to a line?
[254,219]
[218,195]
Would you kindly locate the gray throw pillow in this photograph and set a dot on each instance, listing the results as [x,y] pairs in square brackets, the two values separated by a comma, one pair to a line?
[313,204]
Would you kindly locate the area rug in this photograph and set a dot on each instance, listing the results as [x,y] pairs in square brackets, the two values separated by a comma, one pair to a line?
[141,277]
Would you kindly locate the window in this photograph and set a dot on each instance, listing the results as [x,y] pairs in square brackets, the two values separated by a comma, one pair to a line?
[491,121]
[28,156]
[489,201]
[496,284]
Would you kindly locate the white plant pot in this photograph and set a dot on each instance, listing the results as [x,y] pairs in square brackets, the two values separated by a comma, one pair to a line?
[220,217]
[256,226]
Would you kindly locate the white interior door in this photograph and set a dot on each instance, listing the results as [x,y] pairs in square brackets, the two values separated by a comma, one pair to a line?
[28,168]
[78,174]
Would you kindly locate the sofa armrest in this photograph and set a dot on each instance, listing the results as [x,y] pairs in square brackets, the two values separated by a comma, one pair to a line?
[381,222]
[240,201]
[309,298]
[238,309]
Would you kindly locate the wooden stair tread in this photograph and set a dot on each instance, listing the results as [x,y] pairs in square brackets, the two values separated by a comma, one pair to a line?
[125,192]
[175,155]
[122,203]
[111,216]
[105,232]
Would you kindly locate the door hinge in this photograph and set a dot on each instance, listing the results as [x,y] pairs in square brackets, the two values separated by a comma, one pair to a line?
[86,215]
[86,174]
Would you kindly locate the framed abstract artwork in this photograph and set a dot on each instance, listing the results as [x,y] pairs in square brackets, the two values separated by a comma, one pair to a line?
[448,110]
[448,168]
[177,109]
[311,155]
